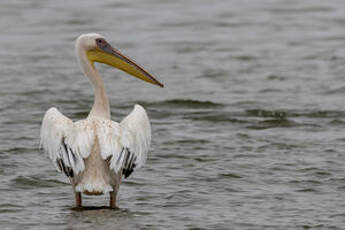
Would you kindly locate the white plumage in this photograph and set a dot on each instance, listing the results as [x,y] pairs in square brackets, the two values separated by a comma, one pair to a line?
[72,142]
[95,152]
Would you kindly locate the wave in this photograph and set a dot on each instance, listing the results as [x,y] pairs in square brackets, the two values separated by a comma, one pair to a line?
[186,103]
[340,90]
[32,182]
[275,123]
[296,113]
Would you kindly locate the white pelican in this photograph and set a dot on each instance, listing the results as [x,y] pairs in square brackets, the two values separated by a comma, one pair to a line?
[95,152]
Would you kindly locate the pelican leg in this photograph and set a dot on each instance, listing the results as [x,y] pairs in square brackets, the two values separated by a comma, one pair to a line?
[78,201]
[112,203]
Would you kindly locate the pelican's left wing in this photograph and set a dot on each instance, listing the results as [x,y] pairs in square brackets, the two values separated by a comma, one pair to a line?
[125,145]
[136,139]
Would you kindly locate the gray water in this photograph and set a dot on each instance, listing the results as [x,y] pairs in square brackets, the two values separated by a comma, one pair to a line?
[247,134]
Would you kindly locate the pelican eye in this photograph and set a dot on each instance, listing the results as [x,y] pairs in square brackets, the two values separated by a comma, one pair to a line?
[101,42]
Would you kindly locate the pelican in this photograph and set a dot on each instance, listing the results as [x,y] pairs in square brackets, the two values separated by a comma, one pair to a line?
[96,152]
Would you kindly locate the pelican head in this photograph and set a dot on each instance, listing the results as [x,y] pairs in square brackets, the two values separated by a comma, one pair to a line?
[95,48]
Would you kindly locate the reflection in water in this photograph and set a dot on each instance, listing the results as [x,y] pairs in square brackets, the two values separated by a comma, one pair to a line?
[100,218]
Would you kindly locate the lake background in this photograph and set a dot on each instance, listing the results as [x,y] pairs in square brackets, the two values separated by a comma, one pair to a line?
[248,132]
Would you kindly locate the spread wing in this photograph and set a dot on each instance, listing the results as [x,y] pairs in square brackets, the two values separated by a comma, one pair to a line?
[136,139]
[66,143]
[126,144]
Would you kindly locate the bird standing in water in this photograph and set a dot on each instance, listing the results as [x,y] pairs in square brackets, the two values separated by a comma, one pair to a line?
[96,152]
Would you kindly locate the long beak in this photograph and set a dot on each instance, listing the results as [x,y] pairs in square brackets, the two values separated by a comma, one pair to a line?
[110,56]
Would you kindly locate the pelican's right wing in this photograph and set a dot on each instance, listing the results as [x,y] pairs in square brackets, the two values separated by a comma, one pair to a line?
[66,143]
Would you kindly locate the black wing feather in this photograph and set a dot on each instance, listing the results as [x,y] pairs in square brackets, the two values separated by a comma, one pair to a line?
[129,164]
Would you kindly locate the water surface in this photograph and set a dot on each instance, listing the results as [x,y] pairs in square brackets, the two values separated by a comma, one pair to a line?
[247,134]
